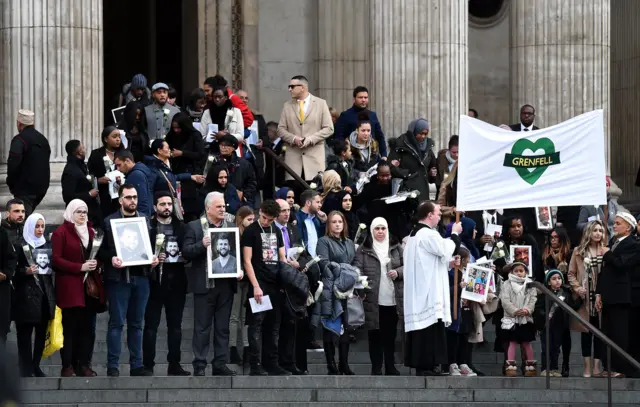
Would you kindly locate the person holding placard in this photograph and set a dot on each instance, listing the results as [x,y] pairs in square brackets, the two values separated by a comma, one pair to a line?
[212,299]
[127,286]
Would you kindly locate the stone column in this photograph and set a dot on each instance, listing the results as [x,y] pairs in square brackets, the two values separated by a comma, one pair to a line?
[419,64]
[625,84]
[343,50]
[560,53]
[51,62]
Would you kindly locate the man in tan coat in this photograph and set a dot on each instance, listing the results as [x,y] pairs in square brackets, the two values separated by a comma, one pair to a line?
[305,122]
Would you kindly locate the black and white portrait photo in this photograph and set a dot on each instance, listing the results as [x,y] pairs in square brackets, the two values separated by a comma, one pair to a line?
[42,258]
[131,238]
[224,253]
[173,250]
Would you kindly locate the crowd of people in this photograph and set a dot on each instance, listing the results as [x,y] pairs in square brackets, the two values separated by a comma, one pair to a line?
[357,246]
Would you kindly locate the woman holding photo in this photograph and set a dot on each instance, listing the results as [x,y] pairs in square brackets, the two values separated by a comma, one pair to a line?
[72,242]
[584,269]
[34,301]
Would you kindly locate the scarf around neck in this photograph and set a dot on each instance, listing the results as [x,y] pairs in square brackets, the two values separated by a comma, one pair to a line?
[81,230]
[519,287]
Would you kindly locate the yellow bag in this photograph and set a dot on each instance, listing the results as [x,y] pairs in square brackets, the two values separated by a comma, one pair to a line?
[54,340]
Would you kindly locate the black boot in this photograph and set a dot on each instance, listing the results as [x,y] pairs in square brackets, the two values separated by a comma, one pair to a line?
[234,356]
[330,353]
[565,367]
[245,358]
[343,355]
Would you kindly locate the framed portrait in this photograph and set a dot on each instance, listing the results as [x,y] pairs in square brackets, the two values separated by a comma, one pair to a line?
[131,238]
[544,218]
[477,281]
[42,258]
[223,254]
[117,114]
[522,254]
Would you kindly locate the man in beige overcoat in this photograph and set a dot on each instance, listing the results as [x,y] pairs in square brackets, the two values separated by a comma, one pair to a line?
[305,123]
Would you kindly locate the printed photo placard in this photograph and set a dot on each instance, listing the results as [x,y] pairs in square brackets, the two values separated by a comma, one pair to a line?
[131,238]
[544,219]
[477,281]
[223,254]
[522,254]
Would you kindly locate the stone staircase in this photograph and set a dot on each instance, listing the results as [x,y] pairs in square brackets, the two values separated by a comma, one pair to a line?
[317,389]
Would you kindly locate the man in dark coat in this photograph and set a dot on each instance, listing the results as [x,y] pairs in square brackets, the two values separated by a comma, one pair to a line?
[527,114]
[28,169]
[273,173]
[240,171]
[348,120]
[614,292]
[8,263]
[76,185]
[141,177]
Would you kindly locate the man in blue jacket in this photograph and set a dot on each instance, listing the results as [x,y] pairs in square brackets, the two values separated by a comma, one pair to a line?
[311,220]
[348,120]
[141,177]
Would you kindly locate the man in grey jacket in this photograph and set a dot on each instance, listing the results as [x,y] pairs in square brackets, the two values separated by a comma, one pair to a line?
[212,299]
[160,113]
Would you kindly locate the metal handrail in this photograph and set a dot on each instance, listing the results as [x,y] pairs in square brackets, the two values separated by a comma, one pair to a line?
[550,296]
[280,162]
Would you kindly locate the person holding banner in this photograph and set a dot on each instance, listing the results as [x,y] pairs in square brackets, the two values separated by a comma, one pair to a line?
[427,259]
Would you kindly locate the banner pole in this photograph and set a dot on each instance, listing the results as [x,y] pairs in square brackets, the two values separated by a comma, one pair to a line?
[456,284]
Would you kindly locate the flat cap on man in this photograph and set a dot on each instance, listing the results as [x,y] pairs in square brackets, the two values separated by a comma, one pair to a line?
[159,85]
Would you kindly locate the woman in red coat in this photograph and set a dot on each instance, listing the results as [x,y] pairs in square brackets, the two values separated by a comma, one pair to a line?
[71,244]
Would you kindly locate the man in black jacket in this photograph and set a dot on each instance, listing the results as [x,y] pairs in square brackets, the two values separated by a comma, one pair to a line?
[168,289]
[8,263]
[28,164]
[212,299]
[240,171]
[273,173]
[527,114]
[77,183]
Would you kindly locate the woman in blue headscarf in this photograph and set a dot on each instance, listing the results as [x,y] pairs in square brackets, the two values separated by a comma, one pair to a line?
[412,158]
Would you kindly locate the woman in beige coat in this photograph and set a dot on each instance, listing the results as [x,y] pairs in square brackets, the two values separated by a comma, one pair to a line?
[584,268]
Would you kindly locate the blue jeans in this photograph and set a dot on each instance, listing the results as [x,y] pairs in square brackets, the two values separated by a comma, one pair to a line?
[126,300]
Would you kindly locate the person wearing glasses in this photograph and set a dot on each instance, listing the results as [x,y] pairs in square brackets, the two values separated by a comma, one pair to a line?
[305,123]
[127,289]
[527,115]
[71,244]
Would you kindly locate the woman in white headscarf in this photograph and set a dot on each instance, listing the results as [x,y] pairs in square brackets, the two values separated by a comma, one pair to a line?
[72,243]
[34,302]
[380,259]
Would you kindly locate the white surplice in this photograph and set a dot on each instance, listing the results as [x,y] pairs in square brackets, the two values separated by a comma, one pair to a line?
[426,280]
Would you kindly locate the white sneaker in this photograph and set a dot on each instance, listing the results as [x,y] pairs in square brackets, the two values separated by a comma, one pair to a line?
[454,370]
[466,371]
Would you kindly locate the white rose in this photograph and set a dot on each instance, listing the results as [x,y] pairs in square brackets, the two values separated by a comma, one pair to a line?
[587,262]
[313,185]
[89,178]
[167,111]
[413,195]
[284,148]
[210,158]
[501,253]
[500,245]
[159,238]
[363,226]
[230,112]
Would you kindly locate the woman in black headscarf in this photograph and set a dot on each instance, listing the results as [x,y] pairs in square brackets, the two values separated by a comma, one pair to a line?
[218,181]
[134,126]
[412,158]
[187,156]
[101,159]
[346,207]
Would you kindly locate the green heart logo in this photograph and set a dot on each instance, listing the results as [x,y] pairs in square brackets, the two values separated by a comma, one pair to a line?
[531,167]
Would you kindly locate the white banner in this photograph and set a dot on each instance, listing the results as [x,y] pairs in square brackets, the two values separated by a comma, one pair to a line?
[562,165]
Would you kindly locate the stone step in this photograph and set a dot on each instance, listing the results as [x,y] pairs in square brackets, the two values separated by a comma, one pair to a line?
[319,404]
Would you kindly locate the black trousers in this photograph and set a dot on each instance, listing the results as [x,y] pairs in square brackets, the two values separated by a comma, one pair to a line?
[382,341]
[634,334]
[556,341]
[458,348]
[587,338]
[292,342]
[77,326]
[30,356]
[214,306]
[172,295]
[264,329]
[615,324]
[5,311]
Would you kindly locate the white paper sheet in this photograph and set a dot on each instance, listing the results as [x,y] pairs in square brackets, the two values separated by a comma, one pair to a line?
[197,126]
[495,231]
[265,306]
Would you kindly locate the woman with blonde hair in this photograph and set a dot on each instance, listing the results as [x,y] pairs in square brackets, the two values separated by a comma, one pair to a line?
[448,195]
[237,328]
[331,186]
[584,269]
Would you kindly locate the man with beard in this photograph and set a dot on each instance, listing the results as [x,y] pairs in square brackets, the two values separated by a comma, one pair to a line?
[28,168]
[159,113]
[136,90]
[168,289]
[212,299]
[240,171]
[42,260]
[132,247]
[127,289]
[225,263]
[76,182]
[10,231]
[173,250]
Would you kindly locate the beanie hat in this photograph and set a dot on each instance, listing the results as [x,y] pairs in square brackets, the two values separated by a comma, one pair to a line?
[550,273]
[139,81]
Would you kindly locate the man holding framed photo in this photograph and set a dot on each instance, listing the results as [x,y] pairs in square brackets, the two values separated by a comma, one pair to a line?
[212,298]
[126,279]
[263,247]
[168,289]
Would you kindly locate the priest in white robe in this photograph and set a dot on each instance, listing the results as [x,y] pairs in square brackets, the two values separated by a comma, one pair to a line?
[427,259]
